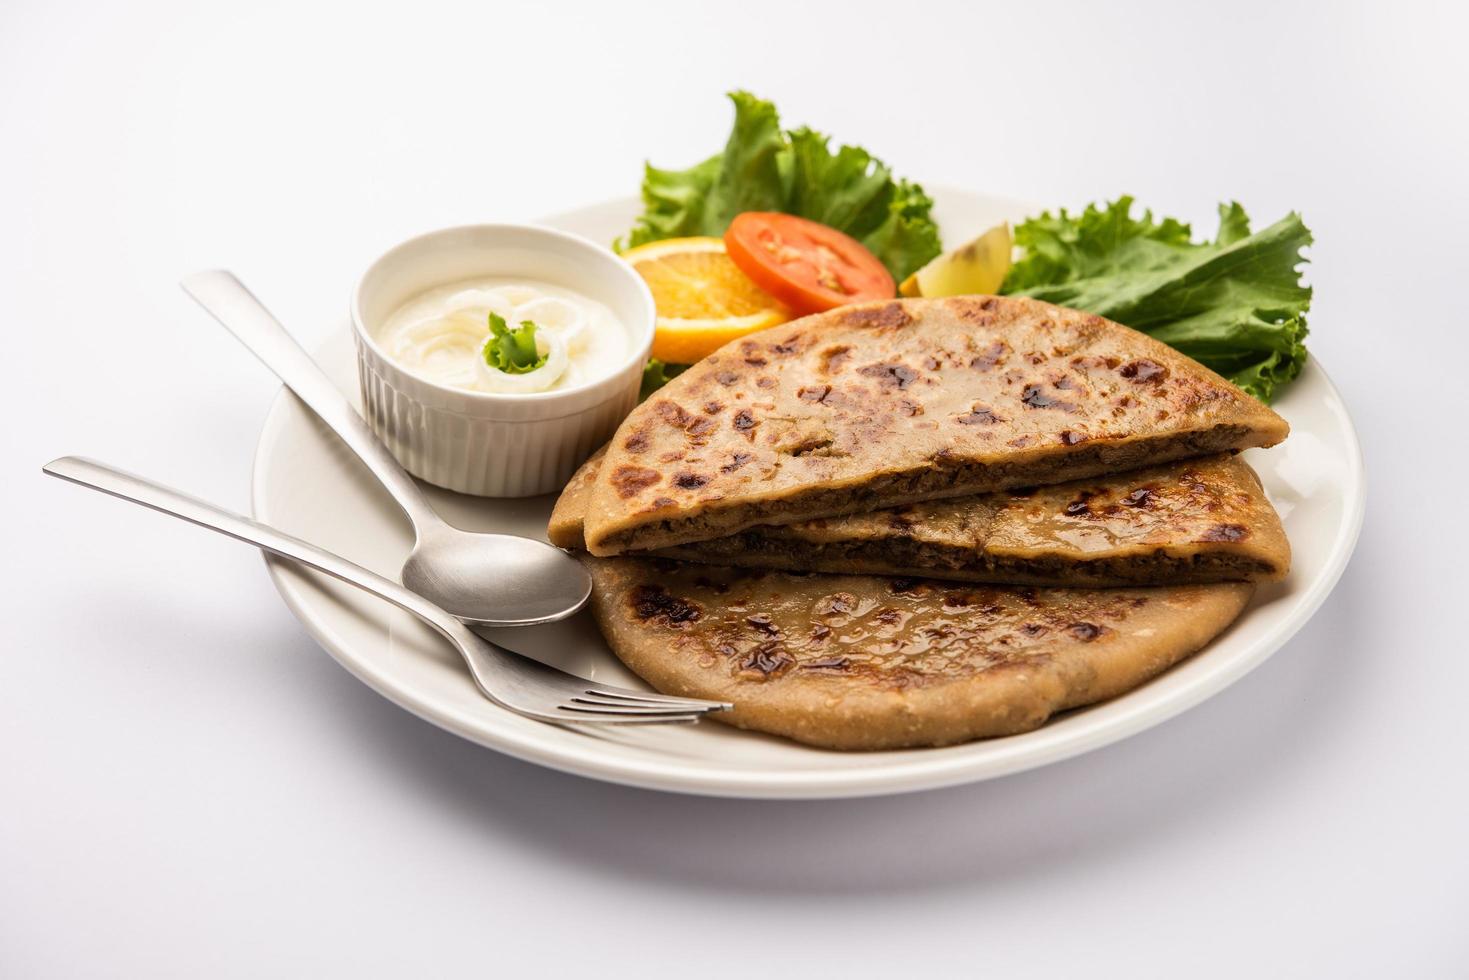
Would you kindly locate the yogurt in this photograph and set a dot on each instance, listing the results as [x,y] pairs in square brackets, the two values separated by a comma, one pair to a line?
[440,335]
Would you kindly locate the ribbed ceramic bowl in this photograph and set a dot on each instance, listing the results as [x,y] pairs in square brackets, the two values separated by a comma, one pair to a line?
[493,444]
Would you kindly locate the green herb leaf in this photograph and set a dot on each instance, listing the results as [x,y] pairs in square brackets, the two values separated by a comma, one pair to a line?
[656,374]
[1236,304]
[764,168]
[512,351]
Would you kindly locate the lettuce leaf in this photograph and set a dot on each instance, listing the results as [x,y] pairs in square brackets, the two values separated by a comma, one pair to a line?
[1236,304]
[764,168]
[656,374]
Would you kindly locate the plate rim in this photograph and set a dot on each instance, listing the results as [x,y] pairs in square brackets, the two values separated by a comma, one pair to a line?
[909,775]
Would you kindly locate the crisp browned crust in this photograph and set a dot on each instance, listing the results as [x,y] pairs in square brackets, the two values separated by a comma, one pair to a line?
[568,518]
[897,402]
[1187,522]
[860,662]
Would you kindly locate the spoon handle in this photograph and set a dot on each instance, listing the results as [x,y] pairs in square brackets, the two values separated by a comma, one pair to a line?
[129,486]
[232,304]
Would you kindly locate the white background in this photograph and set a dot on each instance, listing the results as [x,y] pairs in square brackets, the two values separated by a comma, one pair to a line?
[189,787]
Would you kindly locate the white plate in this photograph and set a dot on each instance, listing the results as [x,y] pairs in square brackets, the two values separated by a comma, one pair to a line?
[309,484]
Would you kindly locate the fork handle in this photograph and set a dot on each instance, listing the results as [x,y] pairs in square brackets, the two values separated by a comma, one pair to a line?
[130,486]
[242,314]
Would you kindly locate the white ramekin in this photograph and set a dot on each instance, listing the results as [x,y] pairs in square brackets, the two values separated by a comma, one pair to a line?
[496,445]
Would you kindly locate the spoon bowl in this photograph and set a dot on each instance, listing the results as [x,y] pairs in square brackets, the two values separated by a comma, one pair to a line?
[495,579]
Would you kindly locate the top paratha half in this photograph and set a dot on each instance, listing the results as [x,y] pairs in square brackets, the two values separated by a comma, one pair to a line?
[896,402]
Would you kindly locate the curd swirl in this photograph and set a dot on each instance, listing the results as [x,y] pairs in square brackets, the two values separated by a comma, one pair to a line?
[440,336]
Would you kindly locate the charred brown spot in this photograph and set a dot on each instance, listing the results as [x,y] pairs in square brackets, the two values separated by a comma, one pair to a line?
[700,427]
[890,375]
[958,600]
[1141,497]
[1081,505]
[910,408]
[904,584]
[713,408]
[887,616]
[979,415]
[890,316]
[690,481]
[735,462]
[1143,371]
[1085,632]
[653,603]
[787,347]
[1071,438]
[743,420]
[660,502]
[1034,397]
[765,382]
[762,623]
[672,413]
[637,442]
[767,660]
[989,357]
[1108,362]
[1034,629]
[1226,532]
[726,378]
[1020,442]
[932,363]
[841,603]
[629,481]
[833,358]
[975,311]
[814,394]
[827,663]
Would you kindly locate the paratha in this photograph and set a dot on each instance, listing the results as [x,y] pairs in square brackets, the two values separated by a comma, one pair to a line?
[1187,522]
[862,662]
[896,402]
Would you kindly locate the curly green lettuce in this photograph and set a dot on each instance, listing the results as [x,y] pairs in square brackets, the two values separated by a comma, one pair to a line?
[1236,304]
[656,374]
[765,168]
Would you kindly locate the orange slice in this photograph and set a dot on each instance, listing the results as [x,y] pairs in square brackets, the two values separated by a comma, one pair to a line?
[704,301]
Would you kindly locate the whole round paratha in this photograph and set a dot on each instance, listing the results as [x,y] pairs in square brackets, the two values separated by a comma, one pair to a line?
[902,401]
[862,662]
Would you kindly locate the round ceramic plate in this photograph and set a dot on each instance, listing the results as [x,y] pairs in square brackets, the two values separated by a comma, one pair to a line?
[309,484]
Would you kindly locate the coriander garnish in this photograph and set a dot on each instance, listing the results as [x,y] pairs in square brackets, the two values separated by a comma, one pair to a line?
[512,351]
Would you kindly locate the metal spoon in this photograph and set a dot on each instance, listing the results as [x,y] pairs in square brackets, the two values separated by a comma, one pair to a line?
[482,579]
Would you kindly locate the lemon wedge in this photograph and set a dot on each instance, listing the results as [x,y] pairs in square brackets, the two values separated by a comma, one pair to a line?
[978,267]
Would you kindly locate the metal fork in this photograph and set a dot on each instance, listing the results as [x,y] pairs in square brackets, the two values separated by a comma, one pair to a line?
[517,683]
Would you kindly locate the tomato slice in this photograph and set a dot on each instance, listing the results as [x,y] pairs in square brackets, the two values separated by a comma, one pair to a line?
[805,264]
